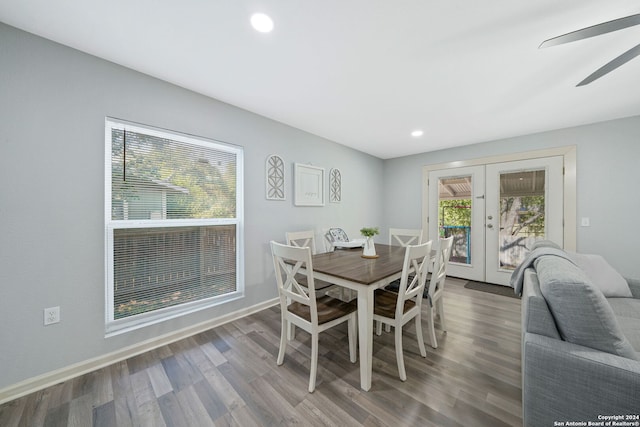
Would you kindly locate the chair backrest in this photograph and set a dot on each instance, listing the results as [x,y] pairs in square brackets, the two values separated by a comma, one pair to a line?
[287,262]
[327,241]
[439,273]
[302,239]
[414,275]
[405,236]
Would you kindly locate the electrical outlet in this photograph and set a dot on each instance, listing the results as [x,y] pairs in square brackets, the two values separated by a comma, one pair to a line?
[51,315]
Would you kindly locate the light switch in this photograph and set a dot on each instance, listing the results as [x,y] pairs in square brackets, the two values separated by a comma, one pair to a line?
[585,222]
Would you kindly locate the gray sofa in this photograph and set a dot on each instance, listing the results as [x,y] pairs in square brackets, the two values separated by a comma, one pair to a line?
[580,348]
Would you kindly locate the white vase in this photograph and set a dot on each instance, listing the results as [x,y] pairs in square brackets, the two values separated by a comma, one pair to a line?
[369,248]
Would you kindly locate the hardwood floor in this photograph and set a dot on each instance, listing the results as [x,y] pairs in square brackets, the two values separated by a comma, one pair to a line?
[228,376]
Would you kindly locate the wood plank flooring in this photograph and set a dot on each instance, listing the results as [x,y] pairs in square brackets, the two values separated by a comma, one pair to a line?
[228,376]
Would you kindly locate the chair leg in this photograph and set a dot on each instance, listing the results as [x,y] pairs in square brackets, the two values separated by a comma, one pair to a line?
[440,305]
[423,351]
[387,328]
[283,341]
[378,328]
[291,331]
[399,354]
[314,362]
[352,326]
[432,330]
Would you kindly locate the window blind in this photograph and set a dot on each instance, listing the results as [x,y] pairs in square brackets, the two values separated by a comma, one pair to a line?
[172,223]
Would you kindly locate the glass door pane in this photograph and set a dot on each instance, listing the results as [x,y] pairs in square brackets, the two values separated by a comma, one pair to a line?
[522,215]
[454,215]
[523,205]
[456,208]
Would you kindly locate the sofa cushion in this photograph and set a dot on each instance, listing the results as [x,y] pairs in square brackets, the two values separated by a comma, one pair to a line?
[631,329]
[610,282]
[627,311]
[634,285]
[536,317]
[626,307]
[581,312]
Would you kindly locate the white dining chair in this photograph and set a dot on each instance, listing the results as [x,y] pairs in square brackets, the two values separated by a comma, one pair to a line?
[327,241]
[300,306]
[435,292]
[402,237]
[303,239]
[397,309]
[405,236]
[307,238]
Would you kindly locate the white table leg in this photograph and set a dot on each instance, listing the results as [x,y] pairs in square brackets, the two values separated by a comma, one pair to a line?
[365,335]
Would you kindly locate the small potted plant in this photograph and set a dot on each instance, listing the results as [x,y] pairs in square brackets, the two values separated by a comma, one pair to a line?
[369,246]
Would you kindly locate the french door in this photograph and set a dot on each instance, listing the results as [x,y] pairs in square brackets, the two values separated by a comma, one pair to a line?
[495,212]
[456,208]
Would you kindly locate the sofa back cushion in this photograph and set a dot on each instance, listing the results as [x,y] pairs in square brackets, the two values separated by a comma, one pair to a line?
[536,316]
[581,312]
[601,274]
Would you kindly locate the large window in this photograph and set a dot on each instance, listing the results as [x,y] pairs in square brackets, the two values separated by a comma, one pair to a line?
[173,224]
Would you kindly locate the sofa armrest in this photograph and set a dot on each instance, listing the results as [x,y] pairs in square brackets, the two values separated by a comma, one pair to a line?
[561,382]
[634,285]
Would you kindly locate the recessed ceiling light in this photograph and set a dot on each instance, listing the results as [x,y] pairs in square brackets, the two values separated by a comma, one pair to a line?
[417,133]
[261,22]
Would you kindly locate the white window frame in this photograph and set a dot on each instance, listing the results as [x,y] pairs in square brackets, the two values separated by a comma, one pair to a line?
[118,326]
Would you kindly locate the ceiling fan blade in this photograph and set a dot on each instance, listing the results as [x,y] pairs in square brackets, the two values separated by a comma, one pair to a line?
[612,65]
[594,30]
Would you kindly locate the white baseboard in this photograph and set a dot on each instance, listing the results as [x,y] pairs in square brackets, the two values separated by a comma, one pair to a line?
[63,374]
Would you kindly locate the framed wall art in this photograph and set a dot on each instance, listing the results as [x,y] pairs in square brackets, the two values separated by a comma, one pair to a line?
[308,185]
[275,178]
[335,186]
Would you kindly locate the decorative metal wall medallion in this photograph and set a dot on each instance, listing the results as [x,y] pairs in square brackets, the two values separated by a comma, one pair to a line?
[275,178]
[335,186]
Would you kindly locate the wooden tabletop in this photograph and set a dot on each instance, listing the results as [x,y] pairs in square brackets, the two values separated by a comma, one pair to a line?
[349,264]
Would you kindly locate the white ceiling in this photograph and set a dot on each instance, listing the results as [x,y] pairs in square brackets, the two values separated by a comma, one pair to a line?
[365,73]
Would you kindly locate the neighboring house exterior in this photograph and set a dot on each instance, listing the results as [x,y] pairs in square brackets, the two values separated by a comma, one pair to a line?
[154,202]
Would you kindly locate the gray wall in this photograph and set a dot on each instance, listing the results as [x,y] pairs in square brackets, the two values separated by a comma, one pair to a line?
[608,156]
[53,103]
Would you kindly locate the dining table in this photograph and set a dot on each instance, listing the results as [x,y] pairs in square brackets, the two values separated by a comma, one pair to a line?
[350,269]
